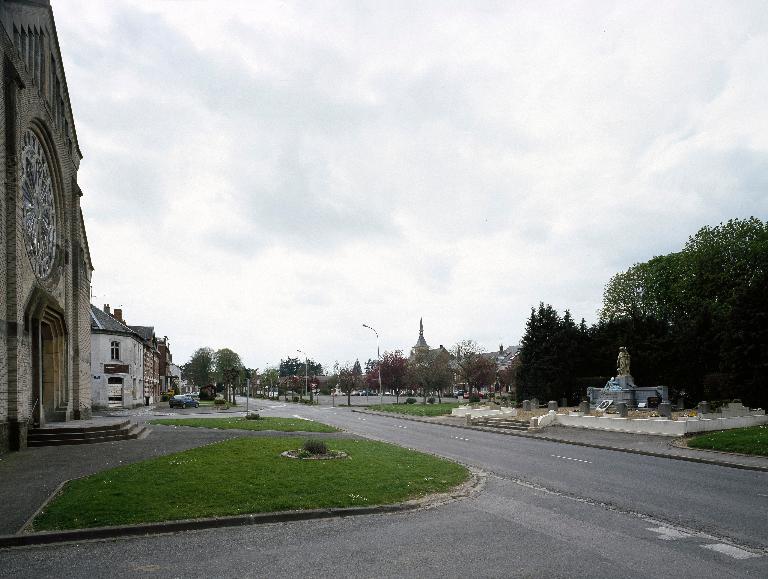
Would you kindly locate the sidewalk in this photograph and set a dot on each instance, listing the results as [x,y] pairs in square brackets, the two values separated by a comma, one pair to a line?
[645,444]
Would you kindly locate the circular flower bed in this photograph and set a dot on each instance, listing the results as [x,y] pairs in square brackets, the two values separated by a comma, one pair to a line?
[305,455]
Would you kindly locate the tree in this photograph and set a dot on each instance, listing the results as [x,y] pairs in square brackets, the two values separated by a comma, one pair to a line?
[393,372]
[228,368]
[431,371]
[199,369]
[295,367]
[347,381]
[472,368]
[270,379]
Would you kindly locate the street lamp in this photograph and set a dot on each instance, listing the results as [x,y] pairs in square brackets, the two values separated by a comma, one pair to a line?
[306,373]
[378,354]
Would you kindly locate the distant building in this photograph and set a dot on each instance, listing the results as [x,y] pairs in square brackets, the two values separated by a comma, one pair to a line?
[151,363]
[117,361]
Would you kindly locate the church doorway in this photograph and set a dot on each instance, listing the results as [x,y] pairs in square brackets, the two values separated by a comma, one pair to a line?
[50,396]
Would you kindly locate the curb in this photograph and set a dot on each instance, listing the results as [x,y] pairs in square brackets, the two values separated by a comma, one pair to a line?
[654,454]
[472,486]
[51,537]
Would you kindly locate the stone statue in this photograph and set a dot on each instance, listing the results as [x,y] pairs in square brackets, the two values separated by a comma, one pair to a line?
[622,363]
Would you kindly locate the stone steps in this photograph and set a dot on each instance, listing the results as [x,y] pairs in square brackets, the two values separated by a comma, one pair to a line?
[69,435]
[506,423]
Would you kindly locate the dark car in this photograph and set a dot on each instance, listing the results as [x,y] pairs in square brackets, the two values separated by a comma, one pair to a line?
[182,401]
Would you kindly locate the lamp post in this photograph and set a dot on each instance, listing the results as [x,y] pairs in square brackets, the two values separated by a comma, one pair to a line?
[378,355]
[306,373]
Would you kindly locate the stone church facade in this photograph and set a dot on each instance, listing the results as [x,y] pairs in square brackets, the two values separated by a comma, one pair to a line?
[45,264]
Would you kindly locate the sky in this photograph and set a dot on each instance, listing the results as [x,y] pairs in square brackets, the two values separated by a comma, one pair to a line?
[268,176]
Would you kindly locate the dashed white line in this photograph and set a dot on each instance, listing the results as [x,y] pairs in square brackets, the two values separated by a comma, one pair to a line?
[569,458]
[669,534]
[730,550]
[460,438]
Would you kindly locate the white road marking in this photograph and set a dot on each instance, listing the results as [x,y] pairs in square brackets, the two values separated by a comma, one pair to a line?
[761,495]
[730,550]
[569,458]
[460,438]
[669,534]
[300,417]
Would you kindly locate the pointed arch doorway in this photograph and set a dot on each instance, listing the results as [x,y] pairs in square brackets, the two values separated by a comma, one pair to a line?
[50,396]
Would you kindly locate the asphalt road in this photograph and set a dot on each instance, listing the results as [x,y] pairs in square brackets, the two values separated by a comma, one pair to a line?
[547,509]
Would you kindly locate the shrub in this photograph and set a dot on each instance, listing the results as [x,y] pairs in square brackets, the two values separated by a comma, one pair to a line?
[295,398]
[219,402]
[474,398]
[315,447]
[410,401]
[253,416]
[164,398]
[431,400]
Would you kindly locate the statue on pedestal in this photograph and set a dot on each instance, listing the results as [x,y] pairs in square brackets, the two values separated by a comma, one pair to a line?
[622,363]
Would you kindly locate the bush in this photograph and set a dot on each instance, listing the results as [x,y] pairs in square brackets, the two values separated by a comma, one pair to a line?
[164,398]
[410,401]
[204,395]
[219,402]
[315,447]
[474,398]
[295,399]
[253,416]
[431,400]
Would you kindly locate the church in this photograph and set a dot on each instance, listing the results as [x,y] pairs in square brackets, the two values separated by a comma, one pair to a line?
[45,263]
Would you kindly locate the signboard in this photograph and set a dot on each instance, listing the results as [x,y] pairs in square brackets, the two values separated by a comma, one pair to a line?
[115,368]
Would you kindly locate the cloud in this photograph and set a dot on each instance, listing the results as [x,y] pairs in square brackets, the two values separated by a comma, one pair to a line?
[269,176]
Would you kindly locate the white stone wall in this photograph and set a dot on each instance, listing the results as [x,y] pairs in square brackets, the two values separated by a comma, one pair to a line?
[132,354]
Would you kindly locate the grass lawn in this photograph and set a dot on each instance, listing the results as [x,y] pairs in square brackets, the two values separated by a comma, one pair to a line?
[248,475]
[239,423]
[417,409]
[752,440]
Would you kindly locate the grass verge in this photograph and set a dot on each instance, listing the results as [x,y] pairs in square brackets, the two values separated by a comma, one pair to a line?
[751,440]
[247,475]
[239,423]
[417,409]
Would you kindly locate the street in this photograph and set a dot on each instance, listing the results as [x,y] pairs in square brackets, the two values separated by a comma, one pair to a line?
[545,509]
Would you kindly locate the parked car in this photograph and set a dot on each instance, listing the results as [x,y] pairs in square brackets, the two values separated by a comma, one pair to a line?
[182,401]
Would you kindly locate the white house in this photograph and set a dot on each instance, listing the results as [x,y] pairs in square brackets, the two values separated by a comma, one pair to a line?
[117,361]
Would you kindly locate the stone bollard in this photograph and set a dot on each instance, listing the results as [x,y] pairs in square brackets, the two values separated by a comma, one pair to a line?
[527,405]
[704,407]
[534,403]
[665,410]
[584,407]
[552,405]
[621,408]
[564,402]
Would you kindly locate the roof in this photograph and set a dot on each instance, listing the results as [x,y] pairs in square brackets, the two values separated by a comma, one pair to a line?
[102,321]
[146,332]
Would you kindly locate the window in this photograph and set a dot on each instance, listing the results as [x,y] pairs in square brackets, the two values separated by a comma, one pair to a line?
[115,350]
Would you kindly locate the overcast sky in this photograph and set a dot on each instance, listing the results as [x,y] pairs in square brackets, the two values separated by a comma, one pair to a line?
[268,176]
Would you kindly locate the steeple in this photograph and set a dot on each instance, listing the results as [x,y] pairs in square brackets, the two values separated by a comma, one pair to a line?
[421,343]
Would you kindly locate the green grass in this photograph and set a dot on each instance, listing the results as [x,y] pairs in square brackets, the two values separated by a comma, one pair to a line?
[417,409]
[248,475]
[752,440]
[239,423]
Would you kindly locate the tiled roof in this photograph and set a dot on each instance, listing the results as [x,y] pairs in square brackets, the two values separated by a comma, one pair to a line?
[102,321]
[146,332]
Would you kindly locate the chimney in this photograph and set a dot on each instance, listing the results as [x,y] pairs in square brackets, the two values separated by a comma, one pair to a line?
[119,314]
[106,309]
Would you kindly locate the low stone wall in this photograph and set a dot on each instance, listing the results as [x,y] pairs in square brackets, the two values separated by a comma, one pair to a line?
[659,426]
[478,412]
